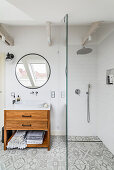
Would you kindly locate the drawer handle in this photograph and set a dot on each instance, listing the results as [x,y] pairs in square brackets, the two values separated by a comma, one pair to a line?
[26,125]
[26,116]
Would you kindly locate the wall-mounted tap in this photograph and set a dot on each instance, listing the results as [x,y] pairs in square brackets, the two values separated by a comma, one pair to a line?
[36,92]
[32,92]
[13,95]
[14,100]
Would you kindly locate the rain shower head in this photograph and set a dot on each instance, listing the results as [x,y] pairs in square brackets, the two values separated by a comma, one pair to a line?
[84,50]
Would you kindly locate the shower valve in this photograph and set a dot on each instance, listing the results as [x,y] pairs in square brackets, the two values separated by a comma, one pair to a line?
[77,91]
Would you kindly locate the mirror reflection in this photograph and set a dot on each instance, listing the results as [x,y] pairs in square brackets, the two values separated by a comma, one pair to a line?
[33,71]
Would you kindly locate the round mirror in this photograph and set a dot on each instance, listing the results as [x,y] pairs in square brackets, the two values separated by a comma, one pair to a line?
[33,71]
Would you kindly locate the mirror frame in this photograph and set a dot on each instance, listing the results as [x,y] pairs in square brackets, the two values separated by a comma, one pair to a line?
[37,55]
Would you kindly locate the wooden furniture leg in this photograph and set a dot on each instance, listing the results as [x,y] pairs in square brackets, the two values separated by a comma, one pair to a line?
[5,139]
[48,130]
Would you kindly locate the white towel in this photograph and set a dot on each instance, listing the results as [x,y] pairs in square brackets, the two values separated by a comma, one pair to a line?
[35,133]
[35,141]
[18,140]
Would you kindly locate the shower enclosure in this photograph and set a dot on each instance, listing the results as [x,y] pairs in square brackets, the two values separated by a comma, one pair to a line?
[89,84]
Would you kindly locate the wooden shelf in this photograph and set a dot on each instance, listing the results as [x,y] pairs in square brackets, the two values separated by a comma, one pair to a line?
[44,145]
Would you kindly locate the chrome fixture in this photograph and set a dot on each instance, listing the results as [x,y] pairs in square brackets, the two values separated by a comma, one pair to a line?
[88,109]
[9,57]
[77,91]
[36,92]
[13,94]
[84,50]
[13,101]
[32,92]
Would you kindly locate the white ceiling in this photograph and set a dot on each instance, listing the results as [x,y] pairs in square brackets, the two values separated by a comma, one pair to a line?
[37,12]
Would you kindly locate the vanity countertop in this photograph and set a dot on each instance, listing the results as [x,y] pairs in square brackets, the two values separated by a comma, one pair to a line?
[21,107]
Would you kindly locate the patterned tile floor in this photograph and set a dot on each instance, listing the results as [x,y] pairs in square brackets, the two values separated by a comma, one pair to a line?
[35,158]
[89,156]
[82,156]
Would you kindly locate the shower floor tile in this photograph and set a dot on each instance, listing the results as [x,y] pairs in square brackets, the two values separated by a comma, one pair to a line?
[83,138]
[89,156]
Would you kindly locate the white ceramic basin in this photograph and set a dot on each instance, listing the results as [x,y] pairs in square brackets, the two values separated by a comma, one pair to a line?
[29,105]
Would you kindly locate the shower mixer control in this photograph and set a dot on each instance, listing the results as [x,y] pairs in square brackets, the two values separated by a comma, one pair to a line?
[77,91]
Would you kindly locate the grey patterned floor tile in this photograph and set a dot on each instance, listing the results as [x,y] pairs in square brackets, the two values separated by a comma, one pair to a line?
[89,156]
[35,158]
[81,156]
[83,138]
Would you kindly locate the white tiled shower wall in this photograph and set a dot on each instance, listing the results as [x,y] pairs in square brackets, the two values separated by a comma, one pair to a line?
[105,93]
[82,71]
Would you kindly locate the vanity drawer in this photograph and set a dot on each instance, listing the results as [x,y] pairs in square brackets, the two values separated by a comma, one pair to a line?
[26,125]
[26,114]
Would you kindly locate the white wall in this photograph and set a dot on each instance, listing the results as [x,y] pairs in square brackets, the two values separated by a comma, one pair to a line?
[105,93]
[82,71]
[34,40]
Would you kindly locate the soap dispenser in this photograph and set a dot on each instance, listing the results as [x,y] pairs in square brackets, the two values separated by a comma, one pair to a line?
[18,98]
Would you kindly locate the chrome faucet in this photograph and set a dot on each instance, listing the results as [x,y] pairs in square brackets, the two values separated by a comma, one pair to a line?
[32,92]
[13,101]
[36,92]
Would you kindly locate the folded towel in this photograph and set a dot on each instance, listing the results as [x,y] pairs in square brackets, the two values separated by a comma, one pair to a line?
[35,133]
[22,138]
[35,141]
[18,140]
[34,138]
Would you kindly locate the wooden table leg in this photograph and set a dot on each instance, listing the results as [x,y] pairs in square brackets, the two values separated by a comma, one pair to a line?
[48,148]
[5,139]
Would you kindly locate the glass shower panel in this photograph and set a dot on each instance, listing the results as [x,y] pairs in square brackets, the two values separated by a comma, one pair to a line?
[66,22]
[90,98]
[59,160]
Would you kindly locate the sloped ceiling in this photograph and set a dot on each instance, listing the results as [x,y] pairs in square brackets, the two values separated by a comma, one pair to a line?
[37,12]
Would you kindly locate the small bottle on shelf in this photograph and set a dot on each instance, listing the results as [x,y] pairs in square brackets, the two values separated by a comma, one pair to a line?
[18,98]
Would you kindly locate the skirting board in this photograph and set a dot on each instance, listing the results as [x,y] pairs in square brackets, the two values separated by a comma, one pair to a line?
[58,133]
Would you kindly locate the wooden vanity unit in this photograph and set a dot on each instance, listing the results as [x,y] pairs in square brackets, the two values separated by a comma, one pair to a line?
[27,120]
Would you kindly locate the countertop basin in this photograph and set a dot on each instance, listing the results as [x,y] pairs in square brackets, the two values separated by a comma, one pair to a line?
[28,106]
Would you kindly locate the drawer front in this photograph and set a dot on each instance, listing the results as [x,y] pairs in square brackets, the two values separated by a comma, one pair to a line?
[26,114]
[26,125]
